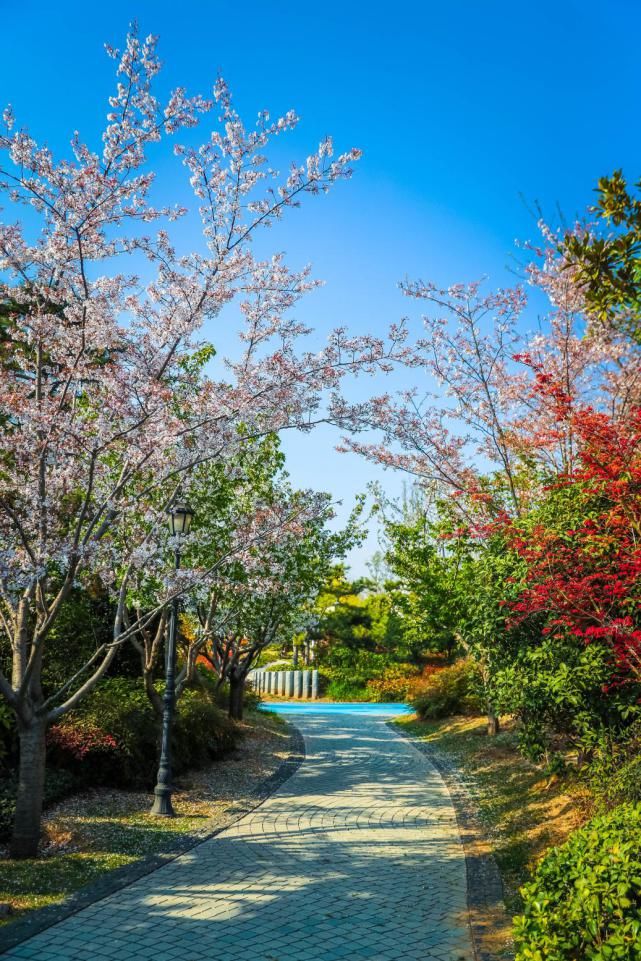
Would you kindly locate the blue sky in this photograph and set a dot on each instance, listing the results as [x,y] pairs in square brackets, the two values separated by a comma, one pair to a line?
[468,114]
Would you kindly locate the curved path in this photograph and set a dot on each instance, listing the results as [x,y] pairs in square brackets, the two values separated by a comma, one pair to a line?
[356,856]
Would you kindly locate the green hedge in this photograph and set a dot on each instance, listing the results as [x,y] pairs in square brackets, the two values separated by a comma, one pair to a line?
[584,903]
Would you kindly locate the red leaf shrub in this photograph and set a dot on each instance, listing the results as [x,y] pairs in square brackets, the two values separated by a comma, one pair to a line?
[446,691]
[79,745]
[584,577]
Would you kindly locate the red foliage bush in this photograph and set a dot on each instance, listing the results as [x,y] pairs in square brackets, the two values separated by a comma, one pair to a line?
[79,743]
[585,580]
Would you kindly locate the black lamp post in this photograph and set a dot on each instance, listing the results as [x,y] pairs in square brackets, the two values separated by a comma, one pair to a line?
[180,517]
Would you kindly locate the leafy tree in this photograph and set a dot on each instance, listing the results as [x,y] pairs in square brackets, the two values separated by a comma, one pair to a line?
[104,414]
[265,597]
[343,609]
[608,255]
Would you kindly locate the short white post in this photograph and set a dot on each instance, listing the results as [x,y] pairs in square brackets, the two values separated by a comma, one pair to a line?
[298,684]
[289,688]
[314,685]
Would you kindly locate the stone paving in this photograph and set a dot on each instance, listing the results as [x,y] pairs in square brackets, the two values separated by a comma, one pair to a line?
[356,857]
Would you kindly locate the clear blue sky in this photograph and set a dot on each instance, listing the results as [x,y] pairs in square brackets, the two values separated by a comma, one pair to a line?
[462,109]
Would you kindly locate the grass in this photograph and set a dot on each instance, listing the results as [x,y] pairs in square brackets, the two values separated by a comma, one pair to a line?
[522,812]
[97,831]
[105,842]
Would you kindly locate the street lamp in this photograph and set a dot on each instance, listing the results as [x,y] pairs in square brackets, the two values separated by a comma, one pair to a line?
[180,517]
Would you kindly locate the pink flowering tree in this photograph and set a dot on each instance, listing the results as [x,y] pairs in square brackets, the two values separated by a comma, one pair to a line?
[105,401]
[486,421]
[263,598]
[250,521]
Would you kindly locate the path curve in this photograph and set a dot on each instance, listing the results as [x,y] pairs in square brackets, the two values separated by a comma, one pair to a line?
[357,857]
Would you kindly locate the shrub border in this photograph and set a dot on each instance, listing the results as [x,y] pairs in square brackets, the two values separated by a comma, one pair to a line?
[485,904]
[16,933]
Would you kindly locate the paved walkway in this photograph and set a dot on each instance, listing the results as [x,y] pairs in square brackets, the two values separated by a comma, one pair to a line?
[355,857]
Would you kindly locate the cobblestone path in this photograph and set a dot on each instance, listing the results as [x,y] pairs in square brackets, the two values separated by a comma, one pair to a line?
[356,857]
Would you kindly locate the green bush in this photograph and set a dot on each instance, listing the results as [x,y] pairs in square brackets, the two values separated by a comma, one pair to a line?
[444,691]
[345,690]
[355,665]
[613,768]
[559,690]
[584,903]
[119,712]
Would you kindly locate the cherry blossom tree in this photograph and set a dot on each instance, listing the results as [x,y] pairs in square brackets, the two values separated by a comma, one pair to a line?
[266,597]
[106,403]
[480,422]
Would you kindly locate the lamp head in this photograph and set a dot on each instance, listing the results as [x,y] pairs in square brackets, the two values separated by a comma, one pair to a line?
[180,518]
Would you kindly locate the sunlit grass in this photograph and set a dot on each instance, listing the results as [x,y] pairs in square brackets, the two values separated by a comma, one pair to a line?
[82,847]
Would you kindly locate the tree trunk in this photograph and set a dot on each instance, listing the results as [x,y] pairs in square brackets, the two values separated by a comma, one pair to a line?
[31,778]
[236,695]
[155,699]
[493,724]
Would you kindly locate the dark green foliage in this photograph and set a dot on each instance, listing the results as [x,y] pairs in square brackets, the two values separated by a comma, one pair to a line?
[346,690]
[443,692]
[613,768]
[584,903]
[82,626]
[119,708]
[609,261]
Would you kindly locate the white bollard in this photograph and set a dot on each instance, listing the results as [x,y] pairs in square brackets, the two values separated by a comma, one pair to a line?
[289,687]
[298,684]
[314,685]
[306,680]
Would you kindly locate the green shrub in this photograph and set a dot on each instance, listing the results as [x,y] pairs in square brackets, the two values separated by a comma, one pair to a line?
[584,903]
[345,690]
[559,690]
[355,665]
[119,713]
[202,732]
[613,771]
[444,691]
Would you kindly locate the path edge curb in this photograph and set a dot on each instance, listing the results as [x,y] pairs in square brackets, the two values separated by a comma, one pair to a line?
[484,885]
[13,934]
